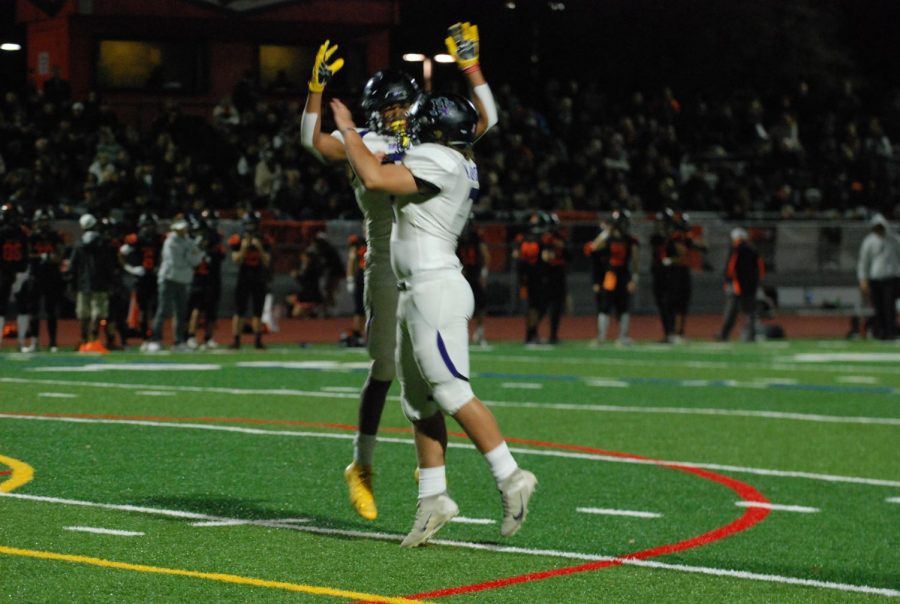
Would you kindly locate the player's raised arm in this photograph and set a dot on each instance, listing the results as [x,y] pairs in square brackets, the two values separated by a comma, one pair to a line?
[325,147]
[392,178]
[463,45]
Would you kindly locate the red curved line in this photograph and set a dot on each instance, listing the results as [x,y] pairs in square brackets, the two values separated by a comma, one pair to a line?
[747,492]
[750,517]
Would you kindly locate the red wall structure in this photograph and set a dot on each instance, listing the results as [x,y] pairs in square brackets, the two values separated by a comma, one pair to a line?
[65,33]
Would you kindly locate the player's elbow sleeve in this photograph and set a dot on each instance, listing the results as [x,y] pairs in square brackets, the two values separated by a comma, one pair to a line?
[483,92]
[308,134]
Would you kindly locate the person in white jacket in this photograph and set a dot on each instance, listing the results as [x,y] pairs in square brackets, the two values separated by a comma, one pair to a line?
[180,255]
[878,272]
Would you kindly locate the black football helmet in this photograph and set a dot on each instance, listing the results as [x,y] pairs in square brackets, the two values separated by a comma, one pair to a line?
[621,220]
[210,217]
[9,214]
[384,89]
[41,218]
[250,221]
[147,220]
[448,119]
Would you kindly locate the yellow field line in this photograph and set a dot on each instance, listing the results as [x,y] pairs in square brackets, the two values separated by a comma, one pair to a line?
[224,578]
[21,473]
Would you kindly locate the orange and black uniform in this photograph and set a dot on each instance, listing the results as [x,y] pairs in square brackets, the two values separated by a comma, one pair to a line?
[253,276]
[44,279]
[743,273]
[612,272]
[556,256]
[678,277]
[13,260]
[531,270]
[659,273]
[145,250]
[206,287]
[356,246]
[468,249]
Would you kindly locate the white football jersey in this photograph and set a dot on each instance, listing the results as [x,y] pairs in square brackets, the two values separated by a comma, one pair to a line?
[376,205]
[427,228]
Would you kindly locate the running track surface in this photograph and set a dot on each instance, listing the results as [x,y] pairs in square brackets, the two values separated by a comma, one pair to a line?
[497,329]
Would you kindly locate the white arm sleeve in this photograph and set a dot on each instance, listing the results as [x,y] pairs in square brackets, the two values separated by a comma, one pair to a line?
[483,92]
[307,133]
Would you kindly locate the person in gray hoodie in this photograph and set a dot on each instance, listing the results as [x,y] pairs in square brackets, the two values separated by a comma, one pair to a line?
[878,272]
[180,255]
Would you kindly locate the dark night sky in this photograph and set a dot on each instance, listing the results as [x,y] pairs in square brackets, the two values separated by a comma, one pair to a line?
[689,43]
[631,44]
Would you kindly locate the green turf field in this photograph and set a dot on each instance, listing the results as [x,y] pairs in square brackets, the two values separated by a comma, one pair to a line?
[704,472]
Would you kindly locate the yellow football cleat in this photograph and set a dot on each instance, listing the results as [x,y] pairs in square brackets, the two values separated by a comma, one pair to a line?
[359,482]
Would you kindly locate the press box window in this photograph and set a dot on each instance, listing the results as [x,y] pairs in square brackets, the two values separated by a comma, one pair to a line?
[162,66]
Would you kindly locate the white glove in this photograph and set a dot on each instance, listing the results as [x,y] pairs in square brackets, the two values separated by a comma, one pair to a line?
[351,286]
[137,271]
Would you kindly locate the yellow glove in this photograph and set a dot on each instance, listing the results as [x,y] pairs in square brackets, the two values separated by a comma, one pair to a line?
[322,70]
[462,44]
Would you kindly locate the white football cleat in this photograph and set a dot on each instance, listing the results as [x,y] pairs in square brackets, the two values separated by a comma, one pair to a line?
[431,514]
[515,492]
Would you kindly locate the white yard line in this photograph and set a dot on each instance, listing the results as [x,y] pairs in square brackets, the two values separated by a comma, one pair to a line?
[273,522]
[893,499]
[857,379]
[802,509]
[719,572]
[465,520]
[522,385]
[612,512]
[808,417]
[103,531]
[780,364]
[408,441]
[154,393]
[606,383]
[56,395]
[804,417]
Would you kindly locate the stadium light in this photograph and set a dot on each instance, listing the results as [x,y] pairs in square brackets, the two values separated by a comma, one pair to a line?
[427,64]
[10,46]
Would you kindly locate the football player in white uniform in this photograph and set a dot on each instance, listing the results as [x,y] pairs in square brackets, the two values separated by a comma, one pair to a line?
[435,185]
[386,99]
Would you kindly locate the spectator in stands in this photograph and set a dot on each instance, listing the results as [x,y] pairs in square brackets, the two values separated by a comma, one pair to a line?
[878,272]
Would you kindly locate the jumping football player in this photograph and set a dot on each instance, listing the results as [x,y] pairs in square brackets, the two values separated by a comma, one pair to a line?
[386,99]
[434,188]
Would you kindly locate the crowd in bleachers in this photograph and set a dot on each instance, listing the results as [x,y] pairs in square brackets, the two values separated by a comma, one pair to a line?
[576,147]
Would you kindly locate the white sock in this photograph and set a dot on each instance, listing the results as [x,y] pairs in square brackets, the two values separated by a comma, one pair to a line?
[432,481]
[624,321]
[602,326]
[501,462]
[364,449]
